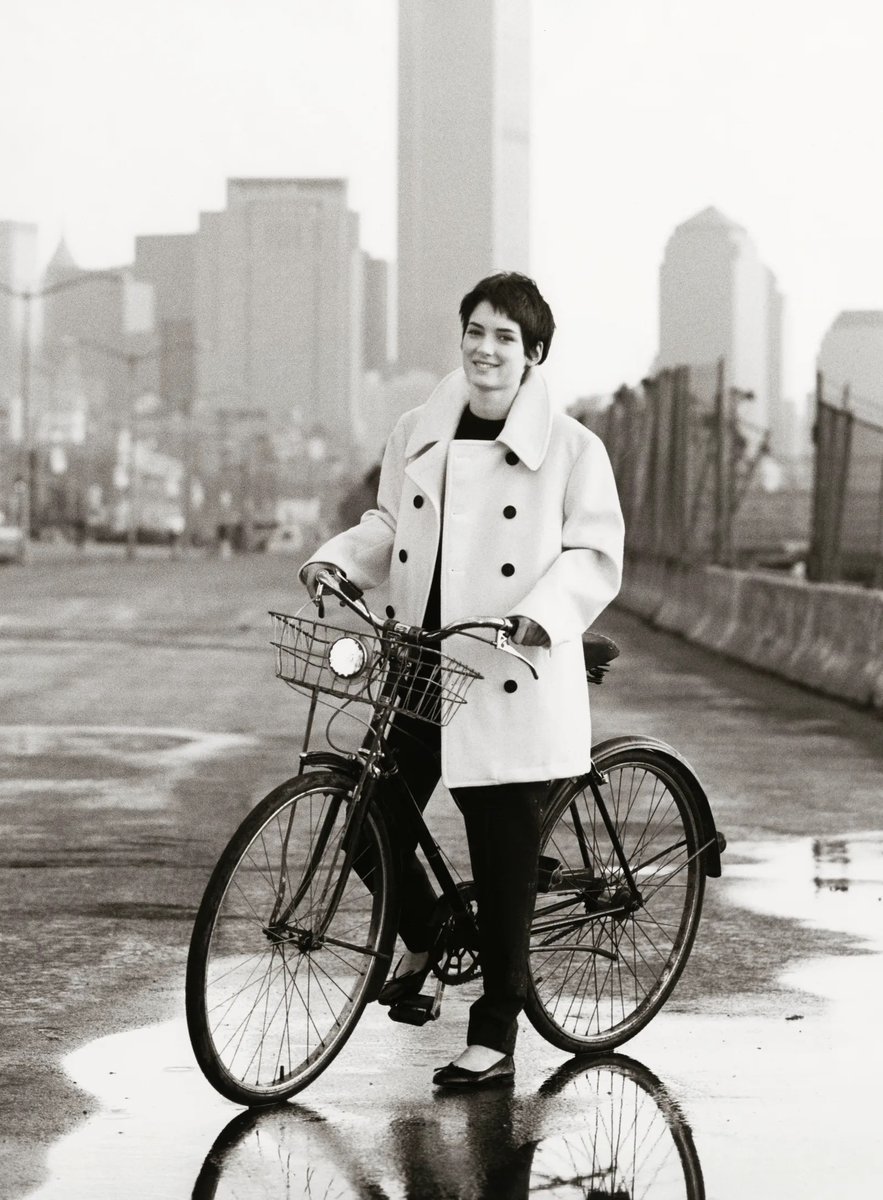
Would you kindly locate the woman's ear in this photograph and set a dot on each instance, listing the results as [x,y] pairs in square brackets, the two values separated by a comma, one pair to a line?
[536,354]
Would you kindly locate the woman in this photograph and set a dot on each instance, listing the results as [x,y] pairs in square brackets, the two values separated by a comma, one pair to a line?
[491,502]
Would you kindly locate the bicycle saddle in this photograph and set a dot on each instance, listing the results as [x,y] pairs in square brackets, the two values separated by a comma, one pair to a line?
[598,650]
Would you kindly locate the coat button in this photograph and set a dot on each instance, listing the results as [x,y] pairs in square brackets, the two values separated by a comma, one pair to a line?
[390,611]
[403,556]
[507,569]
[509,511]
[512,458]
[418,501]
[510,686]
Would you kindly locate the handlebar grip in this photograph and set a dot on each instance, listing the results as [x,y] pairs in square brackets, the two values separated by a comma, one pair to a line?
[351,590]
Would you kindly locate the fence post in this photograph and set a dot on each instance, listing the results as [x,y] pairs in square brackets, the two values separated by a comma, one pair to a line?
[721,540]
[878,565]
[814,553]
[679,460]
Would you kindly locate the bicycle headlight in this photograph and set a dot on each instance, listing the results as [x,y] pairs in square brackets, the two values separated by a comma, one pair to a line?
[347,657]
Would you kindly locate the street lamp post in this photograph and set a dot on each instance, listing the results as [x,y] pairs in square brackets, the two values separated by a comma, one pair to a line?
[27,297]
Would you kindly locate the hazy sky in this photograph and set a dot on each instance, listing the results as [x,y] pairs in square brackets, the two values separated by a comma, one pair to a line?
[126,117]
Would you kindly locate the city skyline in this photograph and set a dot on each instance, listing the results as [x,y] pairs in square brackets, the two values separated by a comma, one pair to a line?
[622,149]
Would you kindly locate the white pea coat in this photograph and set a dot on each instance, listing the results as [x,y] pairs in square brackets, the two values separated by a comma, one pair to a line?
[530,524]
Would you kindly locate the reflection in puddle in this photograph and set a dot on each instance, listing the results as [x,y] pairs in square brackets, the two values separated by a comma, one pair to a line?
[591,1128]
[833,883]
[602,1129]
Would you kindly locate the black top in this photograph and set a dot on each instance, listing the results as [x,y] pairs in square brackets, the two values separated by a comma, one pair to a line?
[472,429]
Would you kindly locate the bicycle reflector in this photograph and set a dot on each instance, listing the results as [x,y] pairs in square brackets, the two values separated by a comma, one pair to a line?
[347,657]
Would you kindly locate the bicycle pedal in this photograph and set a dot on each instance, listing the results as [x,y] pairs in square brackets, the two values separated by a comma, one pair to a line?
[417,1010]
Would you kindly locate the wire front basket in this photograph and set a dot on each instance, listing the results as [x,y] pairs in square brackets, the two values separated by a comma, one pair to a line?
[384,670]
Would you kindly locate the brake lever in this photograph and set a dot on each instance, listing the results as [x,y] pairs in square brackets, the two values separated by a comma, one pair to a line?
[502,642]
[319,601]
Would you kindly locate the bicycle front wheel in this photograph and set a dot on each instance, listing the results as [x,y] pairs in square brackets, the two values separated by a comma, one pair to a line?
[278,975]
[601,963]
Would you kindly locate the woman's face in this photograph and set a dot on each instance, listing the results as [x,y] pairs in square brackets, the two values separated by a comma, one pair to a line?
[493,351]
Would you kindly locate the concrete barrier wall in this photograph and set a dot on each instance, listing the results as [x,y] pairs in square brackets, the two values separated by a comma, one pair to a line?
[826,636]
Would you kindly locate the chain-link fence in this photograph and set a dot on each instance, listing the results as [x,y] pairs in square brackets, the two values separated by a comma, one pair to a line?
[847,511]
[686,458]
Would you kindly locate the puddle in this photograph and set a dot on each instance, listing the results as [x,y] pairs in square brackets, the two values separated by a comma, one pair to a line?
[781,1106]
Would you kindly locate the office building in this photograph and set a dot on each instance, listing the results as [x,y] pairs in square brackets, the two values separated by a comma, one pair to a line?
[717,300]
[851,362]
[464,159]
[98,320]
[278,306]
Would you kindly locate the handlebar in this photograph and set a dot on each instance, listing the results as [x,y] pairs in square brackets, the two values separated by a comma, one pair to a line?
[352,596]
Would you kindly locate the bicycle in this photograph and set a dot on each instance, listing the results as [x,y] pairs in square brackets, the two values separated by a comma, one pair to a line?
[296,930]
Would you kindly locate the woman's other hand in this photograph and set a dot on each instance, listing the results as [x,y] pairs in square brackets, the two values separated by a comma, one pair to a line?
[529,633]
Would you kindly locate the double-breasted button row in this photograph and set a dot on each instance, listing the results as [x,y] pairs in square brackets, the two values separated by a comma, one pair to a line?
[509,511]
[403,556]
[507,569]
[390,611]
[510,686]
[417,501]
[512,459]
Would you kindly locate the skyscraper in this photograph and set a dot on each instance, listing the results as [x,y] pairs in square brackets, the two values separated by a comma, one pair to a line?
[851,356]
[464,158]
[717,300]
[278,304]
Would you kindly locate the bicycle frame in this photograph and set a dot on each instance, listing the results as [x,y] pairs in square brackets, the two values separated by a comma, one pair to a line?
[374,762]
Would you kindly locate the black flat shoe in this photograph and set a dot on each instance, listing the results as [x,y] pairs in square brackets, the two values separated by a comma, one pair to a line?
[400,987]
[461,1077]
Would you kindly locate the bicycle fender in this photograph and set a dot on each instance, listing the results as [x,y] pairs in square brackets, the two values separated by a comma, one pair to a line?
[716,841]
[327,759]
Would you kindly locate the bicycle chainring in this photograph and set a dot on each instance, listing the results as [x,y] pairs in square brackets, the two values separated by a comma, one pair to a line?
[455,952]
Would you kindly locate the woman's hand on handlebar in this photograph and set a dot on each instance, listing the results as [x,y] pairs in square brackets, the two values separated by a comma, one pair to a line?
[309,575]
[529,633]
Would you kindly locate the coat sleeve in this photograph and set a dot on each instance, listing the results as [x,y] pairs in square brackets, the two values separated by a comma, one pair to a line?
[587,574]
[364,551]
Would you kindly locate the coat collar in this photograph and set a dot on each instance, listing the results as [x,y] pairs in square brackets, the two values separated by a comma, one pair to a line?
[526,432]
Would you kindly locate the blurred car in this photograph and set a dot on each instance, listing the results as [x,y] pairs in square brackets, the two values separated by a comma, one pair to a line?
[12,543]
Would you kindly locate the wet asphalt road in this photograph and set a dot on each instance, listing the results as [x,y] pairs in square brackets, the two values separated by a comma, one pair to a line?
[139,721]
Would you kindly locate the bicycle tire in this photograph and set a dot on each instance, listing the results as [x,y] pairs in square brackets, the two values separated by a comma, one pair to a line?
[632,1139]
[270,1002]
[596,981]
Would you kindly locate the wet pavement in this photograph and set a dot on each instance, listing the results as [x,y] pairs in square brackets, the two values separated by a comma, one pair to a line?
[130,750]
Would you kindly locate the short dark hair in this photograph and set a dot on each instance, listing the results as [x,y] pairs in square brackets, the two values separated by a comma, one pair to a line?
[518,298]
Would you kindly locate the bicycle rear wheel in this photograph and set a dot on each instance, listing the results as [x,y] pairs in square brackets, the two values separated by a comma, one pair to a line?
[275,988]
[597,977]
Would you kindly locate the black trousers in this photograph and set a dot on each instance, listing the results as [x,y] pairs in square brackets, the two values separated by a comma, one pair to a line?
[503,833]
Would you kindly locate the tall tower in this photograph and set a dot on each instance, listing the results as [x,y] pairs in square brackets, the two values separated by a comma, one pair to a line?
[464,162]
[718,300]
